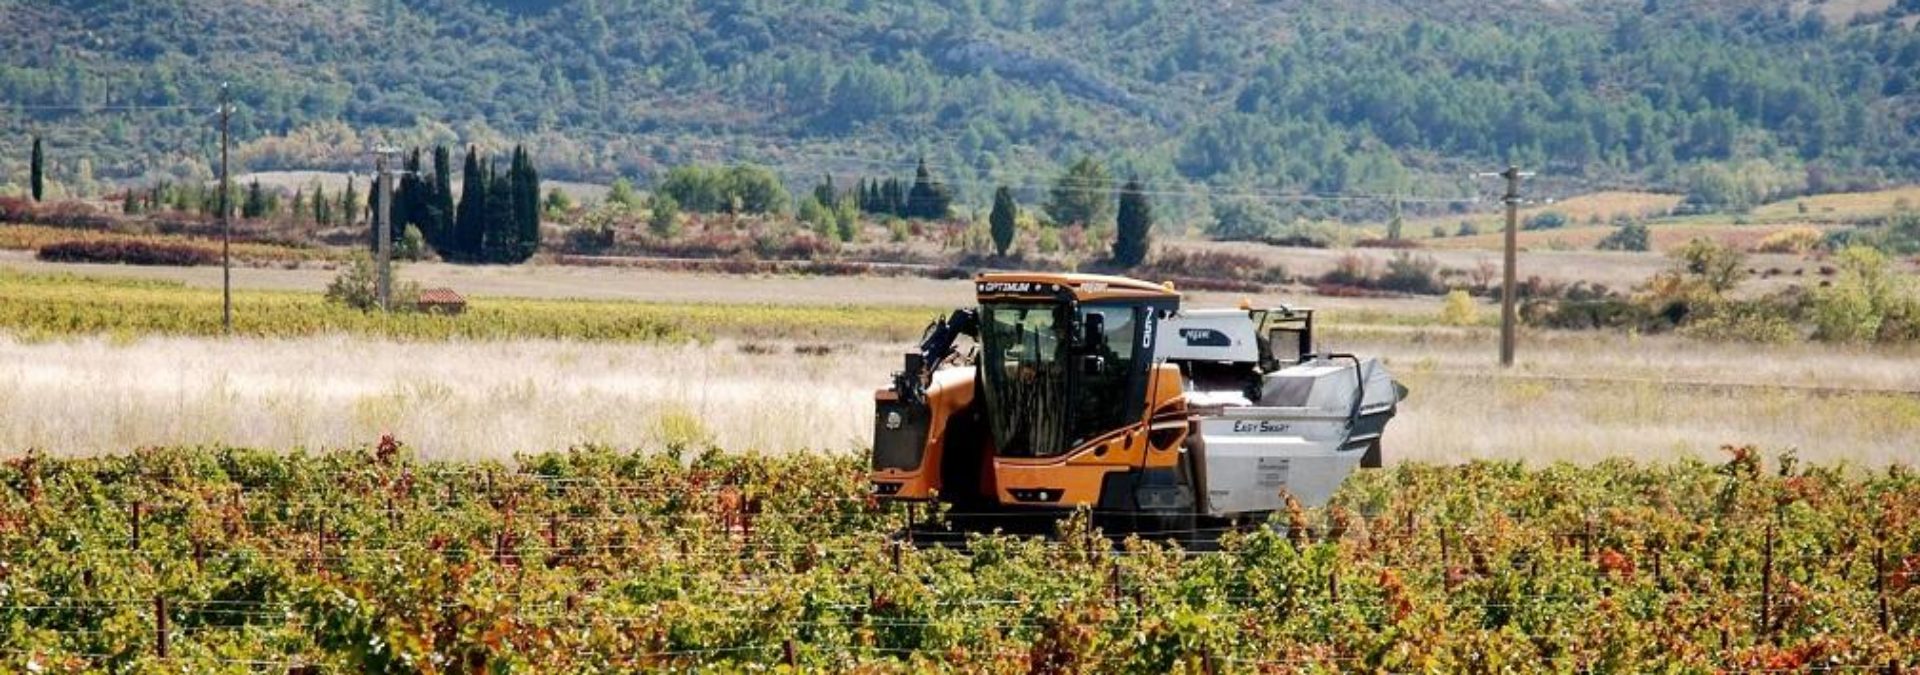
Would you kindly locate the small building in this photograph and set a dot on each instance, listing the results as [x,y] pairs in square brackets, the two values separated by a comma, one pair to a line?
[442,301]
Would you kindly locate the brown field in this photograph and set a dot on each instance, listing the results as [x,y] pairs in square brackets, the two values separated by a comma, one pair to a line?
[1586,237]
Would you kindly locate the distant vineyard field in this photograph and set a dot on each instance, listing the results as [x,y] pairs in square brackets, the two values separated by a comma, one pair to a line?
[368,560]
[40,305]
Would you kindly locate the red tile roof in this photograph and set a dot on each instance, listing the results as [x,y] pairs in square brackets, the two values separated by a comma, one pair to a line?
[441,296]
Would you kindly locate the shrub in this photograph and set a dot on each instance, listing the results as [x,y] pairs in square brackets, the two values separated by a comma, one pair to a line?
[1439,232]
[1799,240]
[1868,301]
[664,220]
[1629,237]
[1408,273]
[1546,220]
[1183,265]
[1387,243]
[1467,229]
[1719,266]
[1459,309]
[1242,219]
[1351,269]
[129,252]
[589,239]
[357,286]
[1747,321]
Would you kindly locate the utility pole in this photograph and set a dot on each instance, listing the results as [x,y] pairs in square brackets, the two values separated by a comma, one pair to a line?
[226,224]
[1508,320]
[383,227]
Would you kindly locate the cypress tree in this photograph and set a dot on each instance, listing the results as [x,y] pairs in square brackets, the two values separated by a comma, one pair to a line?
[1002,220]
[526,205]
[470,222]
[39,171]
[320,206]
[255,205]
[349,205]
[373,214]
[414,210]
[442,198]
[1133,225]
[824,193]
[501,234]
[928,198]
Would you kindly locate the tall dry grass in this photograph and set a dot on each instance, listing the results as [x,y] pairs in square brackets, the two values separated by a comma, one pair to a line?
[1578,397]
[449,400]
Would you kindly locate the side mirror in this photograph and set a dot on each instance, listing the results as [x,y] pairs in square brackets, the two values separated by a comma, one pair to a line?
[1093,365]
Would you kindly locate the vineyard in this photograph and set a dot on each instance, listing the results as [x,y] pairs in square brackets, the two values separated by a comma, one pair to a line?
[372,560]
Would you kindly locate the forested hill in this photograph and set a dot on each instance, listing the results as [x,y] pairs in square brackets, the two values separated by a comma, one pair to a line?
[1290,96]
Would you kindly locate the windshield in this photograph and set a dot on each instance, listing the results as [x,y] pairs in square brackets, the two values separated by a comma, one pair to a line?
[1023,364]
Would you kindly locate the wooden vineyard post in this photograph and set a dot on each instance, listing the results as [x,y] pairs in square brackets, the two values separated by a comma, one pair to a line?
[1880,591]
[1333,584]
[160,625]
[1766,583]
[788,656]
[138,506]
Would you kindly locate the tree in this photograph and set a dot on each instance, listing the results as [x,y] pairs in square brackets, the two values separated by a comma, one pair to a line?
[349,205]
[1718,266]
[1082,195]
[322,209]
[664,221]
[470,219]
[526,204]
[557,204]
[1869,301]
[442,211]
[824,192]
[1133,226]
[927,198]
[1397,224]
[39,171]
[1002,220]
[255,205]
[622,194]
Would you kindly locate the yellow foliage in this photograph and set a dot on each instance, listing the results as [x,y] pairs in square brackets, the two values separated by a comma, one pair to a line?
[1459,309]
[1798,240]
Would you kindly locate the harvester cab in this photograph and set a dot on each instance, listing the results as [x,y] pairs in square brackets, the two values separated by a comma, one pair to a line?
[1100,391]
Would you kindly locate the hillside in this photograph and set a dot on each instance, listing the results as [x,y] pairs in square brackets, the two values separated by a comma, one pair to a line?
[1209,97]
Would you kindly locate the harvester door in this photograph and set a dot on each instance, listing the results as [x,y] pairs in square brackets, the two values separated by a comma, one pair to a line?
[1111,389]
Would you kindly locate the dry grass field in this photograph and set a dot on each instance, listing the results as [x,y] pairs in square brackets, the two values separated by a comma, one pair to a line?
[1576,397]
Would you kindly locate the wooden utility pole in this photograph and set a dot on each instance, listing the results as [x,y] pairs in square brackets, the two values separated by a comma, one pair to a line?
[226,224]
[383,228]
[1508,278]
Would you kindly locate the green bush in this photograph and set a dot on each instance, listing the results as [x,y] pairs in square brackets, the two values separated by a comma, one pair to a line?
[1629,237]
[1545,220]
[1868,301]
